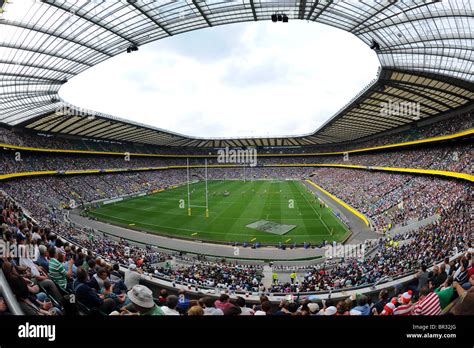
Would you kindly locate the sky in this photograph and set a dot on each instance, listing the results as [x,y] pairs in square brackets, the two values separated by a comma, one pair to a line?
[238,80]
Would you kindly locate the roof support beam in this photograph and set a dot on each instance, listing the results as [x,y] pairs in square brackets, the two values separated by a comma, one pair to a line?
[409,100]
[83,121]
[104,128]
[51,125]
[417,93]
[144,13]
[53,4]
[324,9]
[252,5]
[6,62]
[51,54]
[127,134]
[32,77]
[390,3]
[53,34]
[414,84]
[195,3]
[76,130]
[316,2]
[302,9]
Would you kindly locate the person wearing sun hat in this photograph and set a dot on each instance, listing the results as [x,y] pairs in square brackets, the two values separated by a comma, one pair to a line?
[142,299]
[331,310]
[405,307]
[313,308]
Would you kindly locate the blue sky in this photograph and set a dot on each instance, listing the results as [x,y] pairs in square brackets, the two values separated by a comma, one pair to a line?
[251,79]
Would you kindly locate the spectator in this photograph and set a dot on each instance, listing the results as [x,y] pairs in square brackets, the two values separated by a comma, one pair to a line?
[465,306]
[132,276]
[265,308]
[405,305]
[142,300]
[422,276]
[163,296]
[445,292]
[170,308]
[428,304]
[42,258]
[383,300]
[240,302]
[207,303]
[195,310]
[223,302]
[362,305]
[57,272]
[98,279]
[183,302]
[88,296]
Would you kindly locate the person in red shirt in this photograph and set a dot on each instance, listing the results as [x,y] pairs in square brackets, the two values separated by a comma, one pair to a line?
[428,304]
[406,306]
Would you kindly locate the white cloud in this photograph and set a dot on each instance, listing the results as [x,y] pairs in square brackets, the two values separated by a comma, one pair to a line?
[254,79]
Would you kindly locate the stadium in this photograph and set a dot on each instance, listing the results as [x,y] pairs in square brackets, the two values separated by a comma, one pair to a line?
[370,214]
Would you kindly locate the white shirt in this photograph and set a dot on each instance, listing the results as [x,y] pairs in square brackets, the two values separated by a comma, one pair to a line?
[247,311]
[168,311]
[27,262]
[132,278]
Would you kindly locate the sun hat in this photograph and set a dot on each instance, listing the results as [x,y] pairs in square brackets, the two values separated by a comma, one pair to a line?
[331,310]
[141,296]
[313,307]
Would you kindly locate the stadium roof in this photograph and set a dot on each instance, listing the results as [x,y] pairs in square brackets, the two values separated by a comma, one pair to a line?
[425,50]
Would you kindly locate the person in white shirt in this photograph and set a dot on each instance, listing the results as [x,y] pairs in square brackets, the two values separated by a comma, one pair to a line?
[132,276]
[242,304]
[171,303]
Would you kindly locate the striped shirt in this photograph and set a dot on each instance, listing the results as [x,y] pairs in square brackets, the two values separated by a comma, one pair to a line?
[429,305]
[405,309]
[57,273]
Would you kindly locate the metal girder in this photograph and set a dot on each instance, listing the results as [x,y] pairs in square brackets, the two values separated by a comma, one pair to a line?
[390,3]
[32,77]
[195,3]
[51,3]
[313,8]
[158,24]
[302,9]
[38,66]
[53,34]
[51,54]
[254,13]
[408,90]
[329,2]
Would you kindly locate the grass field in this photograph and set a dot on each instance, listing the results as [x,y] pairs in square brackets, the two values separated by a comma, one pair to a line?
[246,203]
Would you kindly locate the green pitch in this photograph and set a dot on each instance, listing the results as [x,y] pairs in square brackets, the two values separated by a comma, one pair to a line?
[232,206]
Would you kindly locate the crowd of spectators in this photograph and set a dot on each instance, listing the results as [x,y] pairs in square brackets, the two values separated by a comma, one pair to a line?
[387,199]
[86,264]
[449,158]
[390,199]
[449,126]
